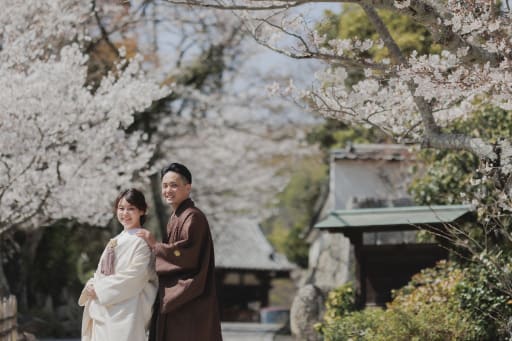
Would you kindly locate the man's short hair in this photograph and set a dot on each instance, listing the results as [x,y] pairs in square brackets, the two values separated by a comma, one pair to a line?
[177,168]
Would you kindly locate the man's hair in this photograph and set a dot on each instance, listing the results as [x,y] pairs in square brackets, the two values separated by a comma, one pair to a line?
[177,168]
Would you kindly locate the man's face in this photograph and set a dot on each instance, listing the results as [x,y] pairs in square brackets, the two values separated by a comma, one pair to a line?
[174,189]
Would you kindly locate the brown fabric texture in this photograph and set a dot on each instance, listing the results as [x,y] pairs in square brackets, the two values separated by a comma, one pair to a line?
[188,308]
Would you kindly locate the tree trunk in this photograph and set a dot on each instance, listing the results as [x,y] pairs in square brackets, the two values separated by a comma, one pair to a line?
[160,208]
[27,255]
[4,285]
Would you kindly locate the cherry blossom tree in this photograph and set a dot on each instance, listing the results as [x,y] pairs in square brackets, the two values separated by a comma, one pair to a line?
[64,151]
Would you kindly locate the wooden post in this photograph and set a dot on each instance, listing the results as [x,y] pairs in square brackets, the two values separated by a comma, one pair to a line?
[356,239]
[8,314]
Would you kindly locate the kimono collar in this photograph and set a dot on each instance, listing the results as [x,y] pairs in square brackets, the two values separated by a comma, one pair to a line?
[131,231]
[187,203]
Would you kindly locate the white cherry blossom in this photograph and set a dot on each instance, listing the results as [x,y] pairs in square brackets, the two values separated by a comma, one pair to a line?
[64,153]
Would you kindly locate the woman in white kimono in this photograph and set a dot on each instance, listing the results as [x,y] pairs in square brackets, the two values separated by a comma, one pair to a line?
[118,300]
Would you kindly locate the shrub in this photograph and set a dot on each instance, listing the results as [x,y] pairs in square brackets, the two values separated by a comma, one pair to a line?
[354,326]
[428,308]
[485,293]
[339,303]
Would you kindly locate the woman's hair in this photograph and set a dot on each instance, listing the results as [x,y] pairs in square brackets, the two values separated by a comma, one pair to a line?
[133,197]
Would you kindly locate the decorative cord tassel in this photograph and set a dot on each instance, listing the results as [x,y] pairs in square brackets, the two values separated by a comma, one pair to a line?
[107,263]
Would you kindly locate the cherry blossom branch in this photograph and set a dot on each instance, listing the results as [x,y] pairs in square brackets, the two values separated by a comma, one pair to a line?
[11,221]
[432,133]
[428,13]
[310,52]
[254,5]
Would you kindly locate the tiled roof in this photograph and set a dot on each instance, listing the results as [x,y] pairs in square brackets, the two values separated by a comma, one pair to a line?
[391,152]
[242,245]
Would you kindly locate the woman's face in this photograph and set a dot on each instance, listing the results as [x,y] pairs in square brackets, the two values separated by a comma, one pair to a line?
[128,215]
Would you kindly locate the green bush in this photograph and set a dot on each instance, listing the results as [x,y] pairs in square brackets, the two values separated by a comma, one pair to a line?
[428,308]
[485,293]
[339,303]
[355,326]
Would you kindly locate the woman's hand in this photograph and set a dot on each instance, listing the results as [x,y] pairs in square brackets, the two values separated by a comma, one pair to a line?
[91,293]
[147,236]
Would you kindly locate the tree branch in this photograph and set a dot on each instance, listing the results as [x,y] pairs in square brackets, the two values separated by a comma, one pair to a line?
[433,137]
[313,53]
[104,33]
[424,12]
[253,5]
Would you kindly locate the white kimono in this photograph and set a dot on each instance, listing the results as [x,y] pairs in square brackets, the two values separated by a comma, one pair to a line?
[123,307]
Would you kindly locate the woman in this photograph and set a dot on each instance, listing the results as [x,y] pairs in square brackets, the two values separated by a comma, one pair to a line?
[118,299]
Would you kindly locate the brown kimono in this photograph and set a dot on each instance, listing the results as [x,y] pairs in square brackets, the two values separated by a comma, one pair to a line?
[188,309]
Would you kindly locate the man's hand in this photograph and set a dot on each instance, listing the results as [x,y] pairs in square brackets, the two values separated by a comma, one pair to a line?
[147,236]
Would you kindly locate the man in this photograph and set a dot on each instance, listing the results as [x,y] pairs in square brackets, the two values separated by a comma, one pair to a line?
[186,308]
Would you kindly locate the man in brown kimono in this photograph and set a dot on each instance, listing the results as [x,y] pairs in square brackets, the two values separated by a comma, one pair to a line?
[186,307]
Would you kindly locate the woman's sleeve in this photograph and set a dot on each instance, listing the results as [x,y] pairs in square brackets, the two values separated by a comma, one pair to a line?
[82,300]
[125,284]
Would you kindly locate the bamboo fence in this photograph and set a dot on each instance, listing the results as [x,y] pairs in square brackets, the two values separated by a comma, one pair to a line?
[8,312]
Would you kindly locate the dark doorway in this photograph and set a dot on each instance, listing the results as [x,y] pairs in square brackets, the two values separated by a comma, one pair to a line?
[387,267]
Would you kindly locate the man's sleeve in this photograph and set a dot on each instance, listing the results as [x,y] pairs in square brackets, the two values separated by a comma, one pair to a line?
[184,254]
[189,255]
